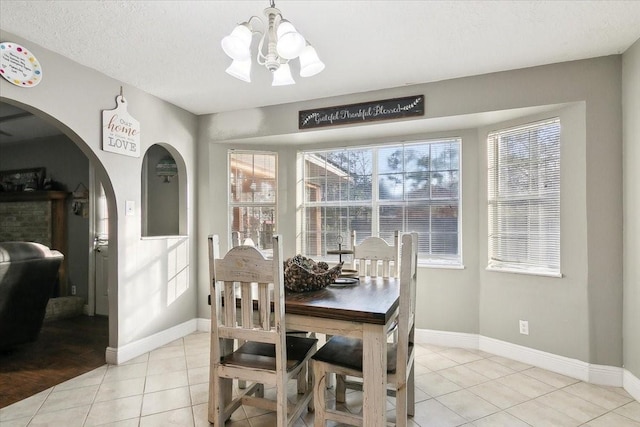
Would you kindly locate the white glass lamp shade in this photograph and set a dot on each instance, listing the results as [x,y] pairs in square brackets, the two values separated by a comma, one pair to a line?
[240,70]
[237,45]
[282,76]
[310,64]
[290,42]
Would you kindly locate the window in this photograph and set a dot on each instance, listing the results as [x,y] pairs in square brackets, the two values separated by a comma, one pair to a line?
[252,195]
[524,198]
[377,190]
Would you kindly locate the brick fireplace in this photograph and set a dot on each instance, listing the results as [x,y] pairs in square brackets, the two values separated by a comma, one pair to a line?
[37,216]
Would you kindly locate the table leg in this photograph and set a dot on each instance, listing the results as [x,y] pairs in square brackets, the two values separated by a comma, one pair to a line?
[374,342]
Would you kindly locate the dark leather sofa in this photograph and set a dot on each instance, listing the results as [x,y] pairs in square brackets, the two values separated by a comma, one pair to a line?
[28,273]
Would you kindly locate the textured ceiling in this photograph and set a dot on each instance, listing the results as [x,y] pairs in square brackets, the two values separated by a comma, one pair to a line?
[171,49]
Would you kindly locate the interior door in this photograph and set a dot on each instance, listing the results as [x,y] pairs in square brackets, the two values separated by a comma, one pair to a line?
[101,251]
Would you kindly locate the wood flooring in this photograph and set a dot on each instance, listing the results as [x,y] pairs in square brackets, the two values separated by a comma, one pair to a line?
[64,349]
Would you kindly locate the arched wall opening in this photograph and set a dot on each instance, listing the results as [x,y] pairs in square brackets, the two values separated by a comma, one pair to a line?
[83,245]
[164,192]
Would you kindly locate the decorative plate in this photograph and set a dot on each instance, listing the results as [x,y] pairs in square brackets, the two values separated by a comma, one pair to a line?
[342,282]
[347,272]
[18,65]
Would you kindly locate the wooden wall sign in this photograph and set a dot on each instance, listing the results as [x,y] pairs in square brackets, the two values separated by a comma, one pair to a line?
[120,131]
[364,112]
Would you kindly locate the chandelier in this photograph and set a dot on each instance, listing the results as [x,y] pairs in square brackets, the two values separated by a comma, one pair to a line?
[279,44]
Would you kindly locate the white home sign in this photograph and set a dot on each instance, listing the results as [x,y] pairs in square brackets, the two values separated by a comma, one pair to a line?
[120,131]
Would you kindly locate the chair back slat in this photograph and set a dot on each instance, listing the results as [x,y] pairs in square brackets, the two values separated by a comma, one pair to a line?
[375,257]
[245,294]
[264,300]
[229,309]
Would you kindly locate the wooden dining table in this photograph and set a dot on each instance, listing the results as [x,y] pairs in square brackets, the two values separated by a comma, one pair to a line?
[365,311]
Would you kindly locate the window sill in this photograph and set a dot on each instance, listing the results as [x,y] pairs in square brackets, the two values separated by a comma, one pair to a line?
[166,237]
[522,271]
[425,264]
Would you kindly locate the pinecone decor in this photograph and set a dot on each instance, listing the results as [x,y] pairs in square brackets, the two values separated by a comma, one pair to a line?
[302,274]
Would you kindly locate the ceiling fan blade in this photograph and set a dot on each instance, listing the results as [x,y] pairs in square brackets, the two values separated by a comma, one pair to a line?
[5,133]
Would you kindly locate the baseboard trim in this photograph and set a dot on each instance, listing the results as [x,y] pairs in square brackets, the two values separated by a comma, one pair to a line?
[562,365]
[204,325]
[588,372]
[591,373]
[606,375]
[631,383]
[116,356]
[446,338]
[595,374]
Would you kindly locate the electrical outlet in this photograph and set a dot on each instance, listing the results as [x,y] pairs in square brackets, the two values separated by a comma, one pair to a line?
[73,290]
[524,327]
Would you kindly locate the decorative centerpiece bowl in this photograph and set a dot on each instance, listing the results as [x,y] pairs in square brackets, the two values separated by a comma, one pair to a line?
[302,274]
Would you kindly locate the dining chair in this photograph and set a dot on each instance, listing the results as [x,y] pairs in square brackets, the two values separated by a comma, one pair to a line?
[237,240]
[375,257]
[267,356]
[344,356]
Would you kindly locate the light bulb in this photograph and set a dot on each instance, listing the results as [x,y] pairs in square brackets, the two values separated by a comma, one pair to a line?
[237,45]
[282,76]
[290,42]
[240,70]
[310,64]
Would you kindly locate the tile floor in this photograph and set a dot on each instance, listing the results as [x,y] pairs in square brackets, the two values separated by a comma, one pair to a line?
[454,387]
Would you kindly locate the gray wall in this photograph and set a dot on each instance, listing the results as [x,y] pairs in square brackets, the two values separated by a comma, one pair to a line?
[66,164]
[557,308]
[631,168]
[577,316]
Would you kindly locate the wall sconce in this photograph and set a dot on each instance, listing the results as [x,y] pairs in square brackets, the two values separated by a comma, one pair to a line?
[80,200]
[167,168]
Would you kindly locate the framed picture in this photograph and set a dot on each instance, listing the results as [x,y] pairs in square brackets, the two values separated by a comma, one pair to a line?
[22,179]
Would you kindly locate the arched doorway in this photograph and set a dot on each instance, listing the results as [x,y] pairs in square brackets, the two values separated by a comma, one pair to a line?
[31,137]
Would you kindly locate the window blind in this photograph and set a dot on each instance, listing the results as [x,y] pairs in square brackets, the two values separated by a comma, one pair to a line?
[524,198]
